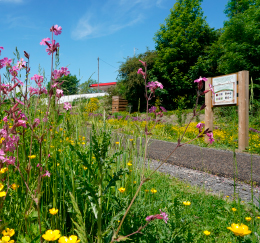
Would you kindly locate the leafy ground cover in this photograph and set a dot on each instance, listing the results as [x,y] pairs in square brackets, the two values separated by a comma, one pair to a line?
[172,126]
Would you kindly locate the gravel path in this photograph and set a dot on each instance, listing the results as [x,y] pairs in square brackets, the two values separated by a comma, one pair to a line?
[190,162]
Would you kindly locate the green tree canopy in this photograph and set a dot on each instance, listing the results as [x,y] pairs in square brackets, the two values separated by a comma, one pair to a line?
[85,89]
[238,6]
[70,85]
[180,41]
[240,43]
[130,85]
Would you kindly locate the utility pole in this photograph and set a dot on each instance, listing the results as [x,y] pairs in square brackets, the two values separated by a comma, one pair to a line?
[98,73]
[134,50]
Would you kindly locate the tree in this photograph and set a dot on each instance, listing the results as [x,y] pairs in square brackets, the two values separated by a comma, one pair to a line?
[183,38]
[240,44]
[70,85]
[130,85]
[85,89]
[238,6]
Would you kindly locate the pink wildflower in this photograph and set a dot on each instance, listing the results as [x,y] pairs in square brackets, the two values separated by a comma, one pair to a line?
[20,64]
[200,79]
[164,215]
[153,85]
[20,102]
[43,42]
[38,79]
[2,154]
[5,119]
[67,106]
[33,91]
[140,71]
[59,93]
[21,123]
[200,126]
[211,139]
[47,173]
[10,160]
[211,88]
[144,63]
[52,47]
[56,29]
[36,122]
[5,62]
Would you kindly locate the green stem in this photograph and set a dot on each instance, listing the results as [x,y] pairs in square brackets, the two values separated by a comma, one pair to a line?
[99,233]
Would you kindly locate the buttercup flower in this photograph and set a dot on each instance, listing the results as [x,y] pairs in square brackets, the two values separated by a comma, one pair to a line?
[53,211]
[234,209]
[186,203]
[14,186]
[153,190]
[248,219]
[3,170]
[32,156]
[121,189]
[129,163]
[8,232]
[117,142]
[70,239]
[206,232]
[51,235]
[6,239]
[239,230]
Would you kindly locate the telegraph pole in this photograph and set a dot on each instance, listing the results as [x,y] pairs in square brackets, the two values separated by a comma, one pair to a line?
[98,73]
[134,50]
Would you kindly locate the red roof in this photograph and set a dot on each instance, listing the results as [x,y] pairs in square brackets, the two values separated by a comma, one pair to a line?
[103,84]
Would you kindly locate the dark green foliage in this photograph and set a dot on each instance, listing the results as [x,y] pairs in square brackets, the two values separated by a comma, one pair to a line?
[130,85]
[70,85]
[85,89]
[238,6]
[183,38]
[240,44]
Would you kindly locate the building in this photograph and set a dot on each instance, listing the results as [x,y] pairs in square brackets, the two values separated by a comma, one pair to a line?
[102,86]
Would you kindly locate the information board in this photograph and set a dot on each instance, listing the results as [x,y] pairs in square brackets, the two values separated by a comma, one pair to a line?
[225,89]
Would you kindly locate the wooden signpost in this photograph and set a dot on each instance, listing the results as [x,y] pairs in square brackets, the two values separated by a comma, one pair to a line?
[231,89]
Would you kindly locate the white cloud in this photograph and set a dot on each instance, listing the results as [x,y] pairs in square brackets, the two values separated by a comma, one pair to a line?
[113,16]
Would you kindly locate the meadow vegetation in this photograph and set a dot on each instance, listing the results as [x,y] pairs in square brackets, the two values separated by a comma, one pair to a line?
[75,175]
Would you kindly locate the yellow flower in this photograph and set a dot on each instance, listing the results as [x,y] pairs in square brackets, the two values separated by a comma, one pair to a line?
[2,194]
[8,232]
[58,164]
[227,196]
[248,219]
[61,129]
[85,168]
[3,170]
[51,235]
[1,186]
[146,190]
[258,217]
[83,143]
[14,186]
[134,182]
[59,150]
[234,209]
[187,203]
[117,142]
[239,230]
[131,139]
[32,156]
[71,239]
[206,232]
[153,190]
[6,239]
[93,157]
[121,189]
[53,211]
[52,146]
[129,163]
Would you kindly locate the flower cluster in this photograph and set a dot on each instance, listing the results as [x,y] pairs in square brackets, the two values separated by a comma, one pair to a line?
[162,215]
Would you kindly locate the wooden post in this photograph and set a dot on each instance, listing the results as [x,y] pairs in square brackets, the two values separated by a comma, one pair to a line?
[243,110]
[208,109]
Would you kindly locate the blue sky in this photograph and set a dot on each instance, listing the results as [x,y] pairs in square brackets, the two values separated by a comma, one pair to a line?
[108,29]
